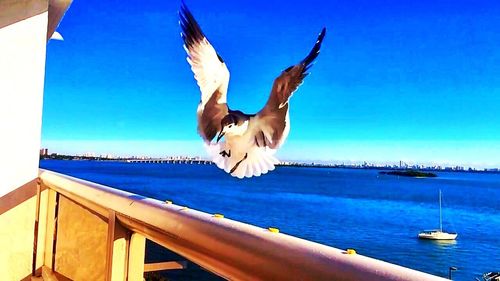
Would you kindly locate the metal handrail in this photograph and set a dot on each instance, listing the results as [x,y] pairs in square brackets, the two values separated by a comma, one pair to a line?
[228,248]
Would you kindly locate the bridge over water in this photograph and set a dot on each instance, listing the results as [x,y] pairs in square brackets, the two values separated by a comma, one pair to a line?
[171,161]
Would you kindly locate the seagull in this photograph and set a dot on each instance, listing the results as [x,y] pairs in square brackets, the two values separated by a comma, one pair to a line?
[250,140]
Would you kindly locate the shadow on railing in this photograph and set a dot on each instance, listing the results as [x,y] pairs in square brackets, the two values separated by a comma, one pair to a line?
[100,233]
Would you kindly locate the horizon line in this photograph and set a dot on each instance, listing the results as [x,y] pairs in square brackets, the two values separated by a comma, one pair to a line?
[479,154]
[364,163]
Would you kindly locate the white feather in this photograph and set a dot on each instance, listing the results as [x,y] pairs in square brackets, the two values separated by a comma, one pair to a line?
[210,73]
[249,171]
[257,167]
[259,160]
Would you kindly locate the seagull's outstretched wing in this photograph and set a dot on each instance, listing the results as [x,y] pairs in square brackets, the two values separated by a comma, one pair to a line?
[272,128]
[210,72]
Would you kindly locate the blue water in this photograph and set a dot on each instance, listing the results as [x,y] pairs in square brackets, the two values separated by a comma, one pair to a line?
[379,216]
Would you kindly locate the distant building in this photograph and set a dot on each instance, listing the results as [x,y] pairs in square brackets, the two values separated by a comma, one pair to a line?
[44,152]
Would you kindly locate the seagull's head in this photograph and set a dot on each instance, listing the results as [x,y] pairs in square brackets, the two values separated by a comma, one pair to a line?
[231,125]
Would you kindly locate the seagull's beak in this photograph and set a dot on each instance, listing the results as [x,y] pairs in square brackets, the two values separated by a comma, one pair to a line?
[221,134]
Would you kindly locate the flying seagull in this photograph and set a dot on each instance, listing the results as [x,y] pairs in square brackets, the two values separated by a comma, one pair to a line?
[250,140]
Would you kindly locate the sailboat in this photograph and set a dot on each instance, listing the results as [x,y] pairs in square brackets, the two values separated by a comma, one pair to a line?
[438,234]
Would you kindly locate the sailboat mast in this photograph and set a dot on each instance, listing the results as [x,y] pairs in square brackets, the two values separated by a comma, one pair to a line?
[440,215]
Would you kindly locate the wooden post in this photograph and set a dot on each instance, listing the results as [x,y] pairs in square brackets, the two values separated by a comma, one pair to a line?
[117,242]
[35,234]
[137,251]
[109,244]
[50,229]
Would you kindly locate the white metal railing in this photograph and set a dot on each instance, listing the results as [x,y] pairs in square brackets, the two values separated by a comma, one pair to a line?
[228,248]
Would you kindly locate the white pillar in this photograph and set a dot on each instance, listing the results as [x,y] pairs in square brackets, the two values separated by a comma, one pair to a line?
[22,72]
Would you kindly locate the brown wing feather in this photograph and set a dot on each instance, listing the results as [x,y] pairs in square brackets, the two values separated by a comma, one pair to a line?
[210,72]
[273,116]
[291,78]
[209,118]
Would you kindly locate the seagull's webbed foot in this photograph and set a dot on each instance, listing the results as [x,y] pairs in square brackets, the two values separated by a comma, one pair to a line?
[225,154]
[237,164]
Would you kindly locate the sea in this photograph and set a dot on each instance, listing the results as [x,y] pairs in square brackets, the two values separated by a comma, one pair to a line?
[377,215]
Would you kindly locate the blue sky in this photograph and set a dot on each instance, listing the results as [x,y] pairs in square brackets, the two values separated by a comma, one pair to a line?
[411,80]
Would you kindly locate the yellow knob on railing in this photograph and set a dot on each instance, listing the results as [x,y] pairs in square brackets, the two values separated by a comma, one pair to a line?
[168,202]
[351,251]
[274,230]
[218,216]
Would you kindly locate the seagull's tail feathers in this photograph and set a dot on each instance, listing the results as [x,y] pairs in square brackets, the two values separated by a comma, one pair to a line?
[257,161]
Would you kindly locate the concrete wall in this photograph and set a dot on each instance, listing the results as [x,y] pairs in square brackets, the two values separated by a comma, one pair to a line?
[23,29]
[16,233]
[22,73]
[81,242]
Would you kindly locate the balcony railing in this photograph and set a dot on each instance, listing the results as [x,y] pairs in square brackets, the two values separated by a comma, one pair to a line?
[95,230]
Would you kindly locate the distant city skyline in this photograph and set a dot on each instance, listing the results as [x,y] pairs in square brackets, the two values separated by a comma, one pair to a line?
[415,80]
[180,159]
[349,152]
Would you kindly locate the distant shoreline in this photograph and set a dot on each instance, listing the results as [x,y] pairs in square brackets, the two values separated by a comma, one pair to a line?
[199,161]
[409,173]
[377,168]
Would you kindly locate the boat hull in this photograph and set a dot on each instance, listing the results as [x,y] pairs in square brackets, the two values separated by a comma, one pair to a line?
[437,235]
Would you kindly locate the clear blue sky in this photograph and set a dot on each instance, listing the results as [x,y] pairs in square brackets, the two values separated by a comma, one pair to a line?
[411,80]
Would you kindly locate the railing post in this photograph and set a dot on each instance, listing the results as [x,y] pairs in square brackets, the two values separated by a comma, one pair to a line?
[50,229]
[136,257]
[116,262]
[36,226]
